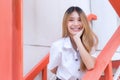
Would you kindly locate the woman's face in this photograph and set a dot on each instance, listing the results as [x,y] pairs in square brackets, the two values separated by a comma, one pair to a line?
[74,23]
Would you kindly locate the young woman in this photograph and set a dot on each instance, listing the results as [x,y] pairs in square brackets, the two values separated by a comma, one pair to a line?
[70,56]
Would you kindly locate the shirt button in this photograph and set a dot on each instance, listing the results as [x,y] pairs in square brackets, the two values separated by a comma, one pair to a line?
[77,79]
[78,69]
[76,59]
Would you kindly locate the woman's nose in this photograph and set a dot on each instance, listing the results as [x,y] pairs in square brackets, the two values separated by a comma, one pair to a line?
[76,23]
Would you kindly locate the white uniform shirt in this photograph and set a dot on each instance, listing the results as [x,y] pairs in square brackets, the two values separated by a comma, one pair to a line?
[66,58]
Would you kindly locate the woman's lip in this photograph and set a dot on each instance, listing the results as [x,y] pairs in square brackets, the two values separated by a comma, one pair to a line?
[76,28]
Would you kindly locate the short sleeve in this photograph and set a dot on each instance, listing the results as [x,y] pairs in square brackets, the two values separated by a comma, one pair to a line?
[55,57]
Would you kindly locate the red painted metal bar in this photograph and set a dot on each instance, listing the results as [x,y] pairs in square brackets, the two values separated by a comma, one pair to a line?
[40,67]
[6,40]
[116,5]
[17,42]
[104,58]
[10,40]
[44,73]
[108,72]
[115,64]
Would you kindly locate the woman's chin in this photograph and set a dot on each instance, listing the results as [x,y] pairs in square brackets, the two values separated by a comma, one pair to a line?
[73,34]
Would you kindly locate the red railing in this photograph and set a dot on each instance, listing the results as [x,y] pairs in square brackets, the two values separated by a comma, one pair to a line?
[40,67]
[103,61]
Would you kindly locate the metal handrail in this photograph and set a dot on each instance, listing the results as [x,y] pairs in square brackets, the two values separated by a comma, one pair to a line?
[40,67]
[103,61]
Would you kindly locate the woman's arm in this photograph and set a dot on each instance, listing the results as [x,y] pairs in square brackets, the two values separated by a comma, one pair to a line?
[87,59]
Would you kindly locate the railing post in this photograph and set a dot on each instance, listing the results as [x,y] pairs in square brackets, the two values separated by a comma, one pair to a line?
[11,45]
[44,73]
[17,40]
[40,67]
[108,72]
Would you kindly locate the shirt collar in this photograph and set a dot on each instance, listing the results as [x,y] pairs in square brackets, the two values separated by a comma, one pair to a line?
[67,43]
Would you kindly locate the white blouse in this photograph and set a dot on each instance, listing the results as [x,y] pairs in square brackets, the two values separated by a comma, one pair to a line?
[66,58]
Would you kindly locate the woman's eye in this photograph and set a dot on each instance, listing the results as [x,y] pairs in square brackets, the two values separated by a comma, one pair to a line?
[79,20]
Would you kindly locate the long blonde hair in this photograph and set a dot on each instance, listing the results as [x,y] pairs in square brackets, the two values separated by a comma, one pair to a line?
[89,39]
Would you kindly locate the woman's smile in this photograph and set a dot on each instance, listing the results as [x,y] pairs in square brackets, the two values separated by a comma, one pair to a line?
[76,29]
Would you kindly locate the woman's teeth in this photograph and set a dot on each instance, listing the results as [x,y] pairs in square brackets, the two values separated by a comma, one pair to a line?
[75,29]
